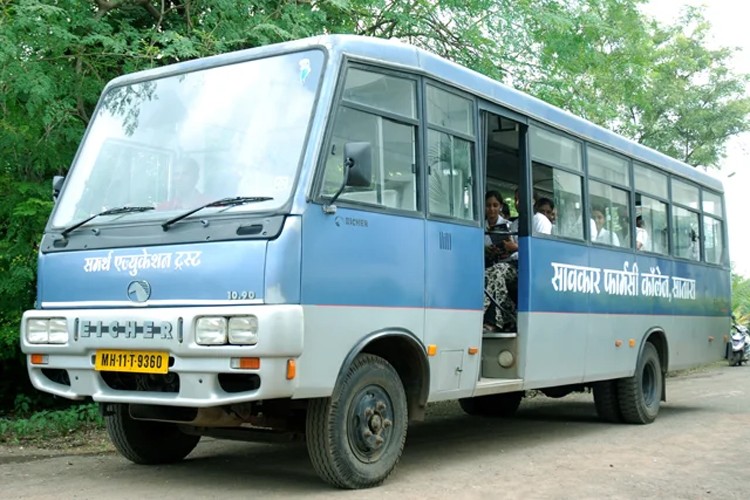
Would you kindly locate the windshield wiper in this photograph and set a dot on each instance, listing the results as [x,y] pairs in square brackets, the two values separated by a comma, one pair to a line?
[111,211]
[224,202]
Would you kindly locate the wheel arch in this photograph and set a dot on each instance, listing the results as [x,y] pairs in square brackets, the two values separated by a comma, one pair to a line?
[406,353]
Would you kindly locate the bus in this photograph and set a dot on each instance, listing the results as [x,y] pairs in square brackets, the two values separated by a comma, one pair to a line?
[288,242]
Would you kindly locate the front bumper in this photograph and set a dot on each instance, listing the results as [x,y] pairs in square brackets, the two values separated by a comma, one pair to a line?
[203,374]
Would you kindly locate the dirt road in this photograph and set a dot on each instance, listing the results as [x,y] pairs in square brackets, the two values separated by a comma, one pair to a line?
[697,448]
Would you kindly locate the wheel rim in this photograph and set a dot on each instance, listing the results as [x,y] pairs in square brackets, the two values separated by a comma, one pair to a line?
[370,423]
[648,384]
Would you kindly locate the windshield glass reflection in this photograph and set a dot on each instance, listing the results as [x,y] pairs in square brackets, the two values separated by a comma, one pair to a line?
[182,141]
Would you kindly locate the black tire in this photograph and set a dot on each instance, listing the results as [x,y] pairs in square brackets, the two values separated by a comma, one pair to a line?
[355,437]
[607,401]
[147,443]
[735,359]
[640,395]
[494,405]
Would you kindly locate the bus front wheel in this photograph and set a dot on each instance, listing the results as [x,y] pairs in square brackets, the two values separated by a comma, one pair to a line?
[640,395]
[355,437]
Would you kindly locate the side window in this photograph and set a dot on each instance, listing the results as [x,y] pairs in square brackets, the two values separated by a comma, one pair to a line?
[608,220]
[652,222]
[557,174]
[450,154]
[379,109]
[713,239]
[652,228]
[609,198]
[686,220]
[713,227]
[685,235]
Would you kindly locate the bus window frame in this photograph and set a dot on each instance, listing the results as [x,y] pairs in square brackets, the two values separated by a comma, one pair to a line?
[630,190]
[696,211]
[316,191]
[581,174]
[477,184]
[636,163]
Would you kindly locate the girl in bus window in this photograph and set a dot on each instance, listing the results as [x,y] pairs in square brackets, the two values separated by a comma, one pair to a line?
[602,235]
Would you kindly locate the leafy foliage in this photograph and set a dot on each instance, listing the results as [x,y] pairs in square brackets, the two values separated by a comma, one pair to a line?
[601,59]
[49,424]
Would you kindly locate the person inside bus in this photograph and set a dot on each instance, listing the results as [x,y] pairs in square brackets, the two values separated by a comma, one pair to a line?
[624,233]
[544,213]
[185,192]
[600,234]
[500,274]
[641,235]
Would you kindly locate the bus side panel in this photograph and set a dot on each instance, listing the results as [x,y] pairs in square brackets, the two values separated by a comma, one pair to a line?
[453,317]
[362,272]
[552,345]
[615,295]
[282,282]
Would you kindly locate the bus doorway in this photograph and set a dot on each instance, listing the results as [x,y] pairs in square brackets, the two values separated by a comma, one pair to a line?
[503,159]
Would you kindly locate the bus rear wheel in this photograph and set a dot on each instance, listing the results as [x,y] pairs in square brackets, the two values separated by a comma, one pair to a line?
[494,405]
[147,443]
[640,395]
[355,437]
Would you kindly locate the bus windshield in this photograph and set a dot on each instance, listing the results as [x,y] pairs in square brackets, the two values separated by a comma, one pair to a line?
[181,141]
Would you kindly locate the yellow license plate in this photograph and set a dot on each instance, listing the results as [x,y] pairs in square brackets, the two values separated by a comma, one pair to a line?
[132,361]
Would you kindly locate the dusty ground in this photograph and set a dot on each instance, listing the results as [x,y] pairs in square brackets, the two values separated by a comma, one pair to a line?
[551,449]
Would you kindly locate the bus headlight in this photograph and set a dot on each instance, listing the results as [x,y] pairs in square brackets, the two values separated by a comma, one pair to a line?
[211,330]
[36,331]
[58,331]
[47,331]
[243,330]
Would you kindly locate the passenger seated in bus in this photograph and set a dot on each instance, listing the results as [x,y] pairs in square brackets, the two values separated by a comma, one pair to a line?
[601,234]
[500,274]
[542,221]
[185,193]
[641,235]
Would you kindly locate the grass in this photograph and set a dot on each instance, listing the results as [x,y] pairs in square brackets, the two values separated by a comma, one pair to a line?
[50,424]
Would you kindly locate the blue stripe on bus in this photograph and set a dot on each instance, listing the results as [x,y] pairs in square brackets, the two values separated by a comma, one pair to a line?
[570,277]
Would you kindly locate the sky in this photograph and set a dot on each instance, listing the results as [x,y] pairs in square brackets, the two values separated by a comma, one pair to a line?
[729,29]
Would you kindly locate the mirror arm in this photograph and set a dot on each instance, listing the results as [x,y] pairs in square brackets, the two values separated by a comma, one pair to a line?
[330,208]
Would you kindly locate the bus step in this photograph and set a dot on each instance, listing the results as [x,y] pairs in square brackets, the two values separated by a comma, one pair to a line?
[487,386]
[499,335]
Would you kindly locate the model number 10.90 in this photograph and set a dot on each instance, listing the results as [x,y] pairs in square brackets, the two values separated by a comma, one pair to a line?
[240,295]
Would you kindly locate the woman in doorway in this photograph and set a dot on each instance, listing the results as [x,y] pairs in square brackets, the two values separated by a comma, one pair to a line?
[500,273]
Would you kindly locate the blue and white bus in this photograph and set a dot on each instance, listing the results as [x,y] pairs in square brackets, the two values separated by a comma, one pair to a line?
[290,239]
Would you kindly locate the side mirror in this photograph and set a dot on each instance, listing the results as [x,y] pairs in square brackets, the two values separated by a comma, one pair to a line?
[57,184]
[358,163]
[357,170]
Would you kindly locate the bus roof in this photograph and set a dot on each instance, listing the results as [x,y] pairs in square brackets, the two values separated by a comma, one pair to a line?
[395,53]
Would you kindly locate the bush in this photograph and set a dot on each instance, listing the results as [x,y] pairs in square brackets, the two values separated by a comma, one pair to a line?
[49,423]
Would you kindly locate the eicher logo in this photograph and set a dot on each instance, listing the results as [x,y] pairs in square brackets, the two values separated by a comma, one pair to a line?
[350,221]
[139,291]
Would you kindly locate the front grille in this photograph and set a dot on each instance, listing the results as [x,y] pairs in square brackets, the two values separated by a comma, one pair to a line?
[239,382]
[145,382]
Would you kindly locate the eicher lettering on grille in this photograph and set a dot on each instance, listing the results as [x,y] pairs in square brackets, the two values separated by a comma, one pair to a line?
[627,282]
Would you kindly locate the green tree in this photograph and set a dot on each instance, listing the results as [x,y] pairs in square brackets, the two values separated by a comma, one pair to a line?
[658,85]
